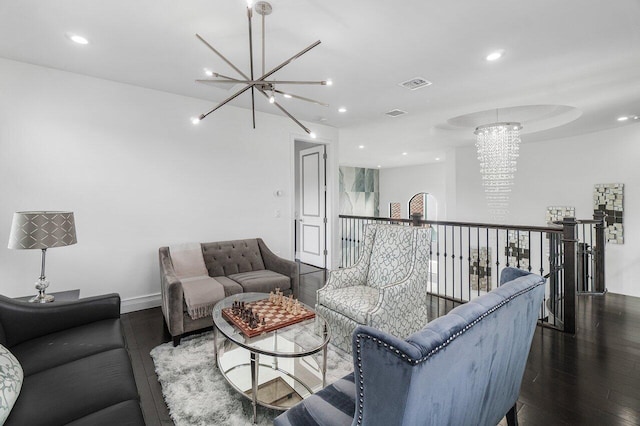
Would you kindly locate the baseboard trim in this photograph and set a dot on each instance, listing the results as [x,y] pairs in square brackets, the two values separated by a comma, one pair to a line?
[139,303]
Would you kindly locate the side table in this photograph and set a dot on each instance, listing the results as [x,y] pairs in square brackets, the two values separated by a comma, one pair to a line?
[60,296]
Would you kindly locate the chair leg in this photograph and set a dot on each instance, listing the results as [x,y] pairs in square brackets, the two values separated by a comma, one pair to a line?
[512,416]
[176,340]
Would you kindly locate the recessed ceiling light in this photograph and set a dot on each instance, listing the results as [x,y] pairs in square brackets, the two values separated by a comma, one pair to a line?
[361,146]
[208,72]
[77,38]
[494,56]
[342,109]
[313,135]
[404,153]
[623,118]
[379,166]
[437,158]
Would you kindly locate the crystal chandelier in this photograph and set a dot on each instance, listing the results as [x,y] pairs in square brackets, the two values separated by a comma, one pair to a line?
[498,145]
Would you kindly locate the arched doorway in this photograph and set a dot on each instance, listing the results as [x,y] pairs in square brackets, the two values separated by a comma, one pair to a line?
[418,205]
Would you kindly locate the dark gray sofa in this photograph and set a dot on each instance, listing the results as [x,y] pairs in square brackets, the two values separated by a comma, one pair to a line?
[240,266]
[76,366]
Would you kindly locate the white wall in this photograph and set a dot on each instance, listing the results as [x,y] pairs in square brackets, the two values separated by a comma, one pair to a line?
[400,184]
[137,174]
[563,172]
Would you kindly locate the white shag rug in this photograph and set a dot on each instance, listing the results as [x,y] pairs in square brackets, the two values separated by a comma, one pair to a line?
[197,394]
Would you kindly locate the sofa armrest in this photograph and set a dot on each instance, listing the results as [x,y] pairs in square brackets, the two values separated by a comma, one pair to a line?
[22,321]
[172,294]
[275,263]
[345,277]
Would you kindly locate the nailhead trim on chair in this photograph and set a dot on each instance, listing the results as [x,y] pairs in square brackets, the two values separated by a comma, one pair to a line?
[430,354]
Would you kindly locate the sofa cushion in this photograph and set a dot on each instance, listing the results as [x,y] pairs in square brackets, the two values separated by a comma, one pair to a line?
[232,257]
[11,377]
[74,390]
[68,345]
[262,281]
[126,413]
[353,302]
[230,286]
[391,255]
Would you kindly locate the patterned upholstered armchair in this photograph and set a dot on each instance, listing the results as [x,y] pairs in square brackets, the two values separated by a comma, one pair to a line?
[385,289]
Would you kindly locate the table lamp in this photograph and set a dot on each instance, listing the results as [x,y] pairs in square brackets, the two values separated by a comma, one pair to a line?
[42,230]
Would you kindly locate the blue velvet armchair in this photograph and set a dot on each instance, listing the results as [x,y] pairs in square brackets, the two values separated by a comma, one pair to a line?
[464,368]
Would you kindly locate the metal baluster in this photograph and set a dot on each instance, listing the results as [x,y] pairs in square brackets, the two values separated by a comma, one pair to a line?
[342,243]
[518,248]
[497,271]
[438,265]
[544,298]
[508,248]
[529,268]
[445,260]
[469,260]
[453,261]
[430,258]
[591,259]
[356,246]
[461,258]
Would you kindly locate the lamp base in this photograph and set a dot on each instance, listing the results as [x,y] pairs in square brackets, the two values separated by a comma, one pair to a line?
[42,298]
[41,286]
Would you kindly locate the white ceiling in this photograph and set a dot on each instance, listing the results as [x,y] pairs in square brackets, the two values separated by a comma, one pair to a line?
[578,54]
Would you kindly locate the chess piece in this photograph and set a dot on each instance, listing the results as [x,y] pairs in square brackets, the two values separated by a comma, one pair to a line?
[290,303]
[263,321]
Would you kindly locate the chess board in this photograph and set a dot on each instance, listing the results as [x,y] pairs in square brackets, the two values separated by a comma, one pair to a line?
[275,317]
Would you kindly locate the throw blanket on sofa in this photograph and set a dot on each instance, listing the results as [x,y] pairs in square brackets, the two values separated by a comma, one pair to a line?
[201,292]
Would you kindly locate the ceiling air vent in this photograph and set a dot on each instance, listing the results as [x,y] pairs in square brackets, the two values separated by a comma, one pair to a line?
[395,113]
[415,83]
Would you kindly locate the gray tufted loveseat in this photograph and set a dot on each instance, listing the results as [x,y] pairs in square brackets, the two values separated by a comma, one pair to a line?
[239,266]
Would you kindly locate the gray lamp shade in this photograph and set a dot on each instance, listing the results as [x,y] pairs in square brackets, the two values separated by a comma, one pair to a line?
[42,230]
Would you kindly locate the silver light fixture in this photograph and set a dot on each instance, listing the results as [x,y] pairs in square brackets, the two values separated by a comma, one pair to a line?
[42,230]
[498,145]
[268,88]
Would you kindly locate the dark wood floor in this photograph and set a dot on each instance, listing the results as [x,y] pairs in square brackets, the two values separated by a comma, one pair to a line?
[144,330]
[590,378]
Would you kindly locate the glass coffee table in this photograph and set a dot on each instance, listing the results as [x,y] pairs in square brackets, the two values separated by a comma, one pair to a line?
[275,369]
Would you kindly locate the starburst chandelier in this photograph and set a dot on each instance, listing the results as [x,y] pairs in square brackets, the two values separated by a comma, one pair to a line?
[498,145]
[263,84]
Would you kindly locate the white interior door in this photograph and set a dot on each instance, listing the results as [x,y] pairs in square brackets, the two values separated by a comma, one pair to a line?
[312,206]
